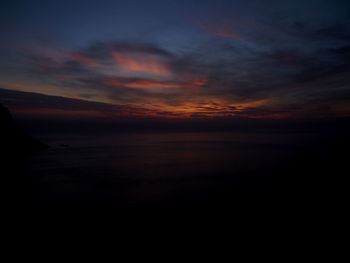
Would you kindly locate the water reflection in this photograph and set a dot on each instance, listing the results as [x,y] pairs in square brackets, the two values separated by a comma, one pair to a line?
[155,167]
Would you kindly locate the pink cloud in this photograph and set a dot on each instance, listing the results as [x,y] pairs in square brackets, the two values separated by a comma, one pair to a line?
[84,60]
[141,64]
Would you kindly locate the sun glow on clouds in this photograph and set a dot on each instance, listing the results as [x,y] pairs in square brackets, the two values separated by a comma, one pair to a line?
[84,60]
[204,109]
[145,69]
[253,60]
[143,84]
[143,64]
[153,84]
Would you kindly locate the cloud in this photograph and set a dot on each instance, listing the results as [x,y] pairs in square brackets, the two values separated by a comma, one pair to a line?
[84,60]
[142,64]
[220,31]
[292,64]
[35,103]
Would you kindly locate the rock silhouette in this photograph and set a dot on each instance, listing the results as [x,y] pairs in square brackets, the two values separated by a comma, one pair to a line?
[15,144]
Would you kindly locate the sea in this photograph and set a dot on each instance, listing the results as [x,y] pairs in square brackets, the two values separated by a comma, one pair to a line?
[172,169]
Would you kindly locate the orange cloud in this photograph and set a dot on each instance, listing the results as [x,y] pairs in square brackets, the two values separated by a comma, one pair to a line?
[84,60]
[149,84]
[210,109]
[142,83]
[141,64]
[152,84]
[198,83]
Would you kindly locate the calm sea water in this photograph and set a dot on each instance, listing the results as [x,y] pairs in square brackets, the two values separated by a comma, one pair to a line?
[149,168]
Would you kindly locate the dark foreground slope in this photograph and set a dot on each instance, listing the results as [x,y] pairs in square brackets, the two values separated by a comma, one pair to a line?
[15,146]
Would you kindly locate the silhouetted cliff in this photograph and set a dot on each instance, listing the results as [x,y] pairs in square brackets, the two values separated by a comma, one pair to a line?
[15,144]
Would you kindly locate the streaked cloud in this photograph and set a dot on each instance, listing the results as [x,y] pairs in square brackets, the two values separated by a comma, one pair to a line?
[84,60]
[220,31]
[141,64]
[240,60]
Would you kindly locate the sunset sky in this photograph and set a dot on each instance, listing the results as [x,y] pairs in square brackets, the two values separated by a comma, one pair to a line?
[176,59]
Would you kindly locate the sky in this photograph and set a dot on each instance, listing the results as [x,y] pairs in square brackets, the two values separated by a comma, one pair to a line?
[176,59]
